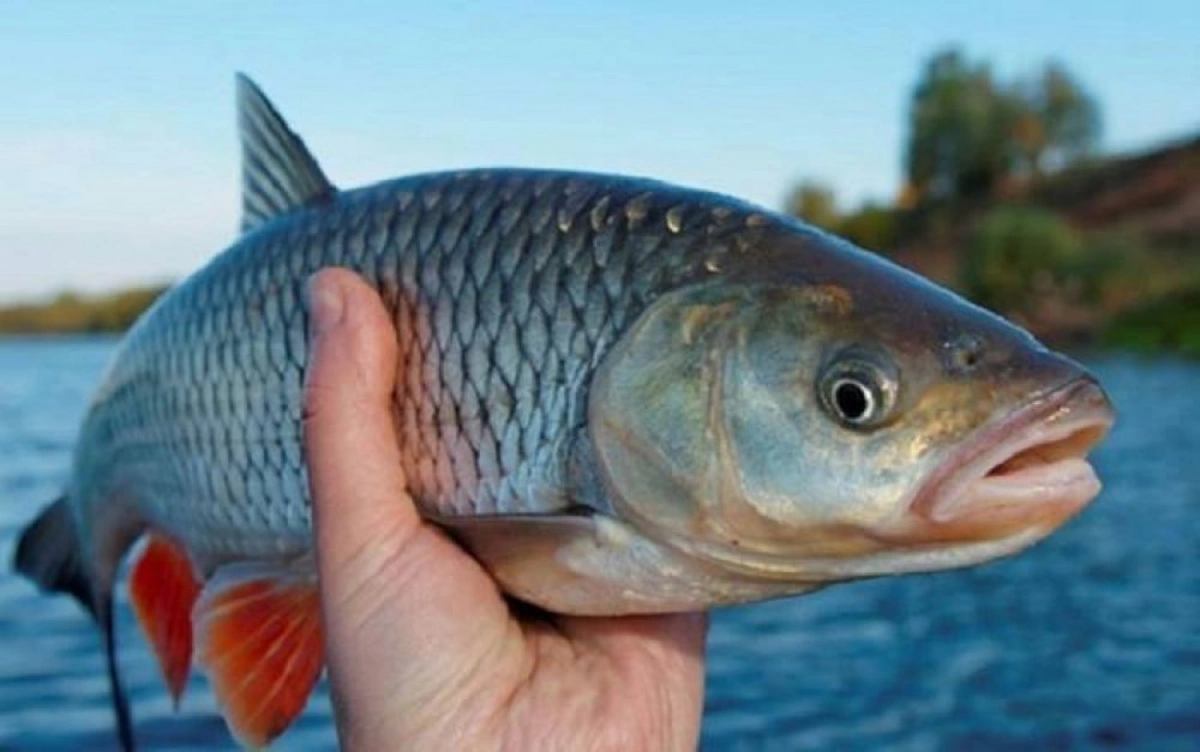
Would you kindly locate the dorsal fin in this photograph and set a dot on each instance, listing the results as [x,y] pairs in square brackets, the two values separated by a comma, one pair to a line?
[278,172]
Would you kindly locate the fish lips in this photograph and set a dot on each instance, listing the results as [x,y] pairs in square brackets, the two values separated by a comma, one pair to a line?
[1026,471]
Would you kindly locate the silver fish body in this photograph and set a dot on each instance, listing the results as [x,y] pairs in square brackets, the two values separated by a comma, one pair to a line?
[621,395]
[507,288]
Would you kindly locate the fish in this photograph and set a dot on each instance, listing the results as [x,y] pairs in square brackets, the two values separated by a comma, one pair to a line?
[620,395]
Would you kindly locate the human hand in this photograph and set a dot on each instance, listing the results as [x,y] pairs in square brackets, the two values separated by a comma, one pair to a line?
[423,652]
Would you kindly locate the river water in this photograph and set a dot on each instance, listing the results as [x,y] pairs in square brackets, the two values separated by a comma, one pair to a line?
[1089,641]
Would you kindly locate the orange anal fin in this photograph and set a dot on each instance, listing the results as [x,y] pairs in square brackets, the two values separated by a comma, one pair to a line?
[163,589]
[258,637]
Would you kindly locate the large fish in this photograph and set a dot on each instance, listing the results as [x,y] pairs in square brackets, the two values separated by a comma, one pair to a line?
[622,396]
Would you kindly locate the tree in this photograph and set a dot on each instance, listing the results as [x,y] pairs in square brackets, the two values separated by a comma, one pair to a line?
[968,134]
[957,145]
[815,203]
[1068,120]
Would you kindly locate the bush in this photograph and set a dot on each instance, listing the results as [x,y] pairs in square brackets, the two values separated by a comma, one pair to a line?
[1107,261]
[1168,323]
[814,203]
[1017,255]
[872,227]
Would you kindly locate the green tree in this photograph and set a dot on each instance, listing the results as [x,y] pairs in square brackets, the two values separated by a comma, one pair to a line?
[1067,117]
[969,134]
[958,144]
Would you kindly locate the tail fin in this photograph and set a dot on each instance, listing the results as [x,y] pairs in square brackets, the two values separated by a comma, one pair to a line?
[48,553]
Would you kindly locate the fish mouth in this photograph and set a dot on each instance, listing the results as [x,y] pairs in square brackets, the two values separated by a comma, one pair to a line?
[1028,471]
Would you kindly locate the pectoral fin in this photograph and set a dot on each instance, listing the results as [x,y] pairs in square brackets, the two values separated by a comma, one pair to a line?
[585,564]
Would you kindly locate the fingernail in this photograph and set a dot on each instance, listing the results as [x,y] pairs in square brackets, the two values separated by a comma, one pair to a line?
[326,305]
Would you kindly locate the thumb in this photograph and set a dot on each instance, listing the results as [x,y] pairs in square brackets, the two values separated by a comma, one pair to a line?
[349,438]
[407,614]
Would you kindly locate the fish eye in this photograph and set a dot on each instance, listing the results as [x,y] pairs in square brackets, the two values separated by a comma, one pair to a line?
[853,400]
[858,393]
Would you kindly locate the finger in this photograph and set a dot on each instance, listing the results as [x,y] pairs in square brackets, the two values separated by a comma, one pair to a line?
[349,436]
[407,614]
[364,518]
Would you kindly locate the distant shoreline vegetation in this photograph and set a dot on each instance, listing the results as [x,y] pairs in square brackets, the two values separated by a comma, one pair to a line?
[1008,200]
[74,313]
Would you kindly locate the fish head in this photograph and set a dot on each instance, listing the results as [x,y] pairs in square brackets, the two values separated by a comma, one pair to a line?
[819,414]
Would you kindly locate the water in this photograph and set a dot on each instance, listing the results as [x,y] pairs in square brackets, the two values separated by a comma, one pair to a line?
[1089,641]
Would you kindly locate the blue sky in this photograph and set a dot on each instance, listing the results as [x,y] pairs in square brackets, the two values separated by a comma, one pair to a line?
[118,147]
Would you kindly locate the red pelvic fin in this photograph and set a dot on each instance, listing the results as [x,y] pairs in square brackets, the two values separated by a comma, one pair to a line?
[163,589]
[258,637]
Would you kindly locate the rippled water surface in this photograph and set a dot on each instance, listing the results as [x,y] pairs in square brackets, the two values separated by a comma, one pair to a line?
[1089,641]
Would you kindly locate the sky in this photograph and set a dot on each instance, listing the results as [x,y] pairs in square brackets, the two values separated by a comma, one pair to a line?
[119,155]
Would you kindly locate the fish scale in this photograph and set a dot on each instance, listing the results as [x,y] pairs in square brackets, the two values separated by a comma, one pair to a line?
[494,365]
